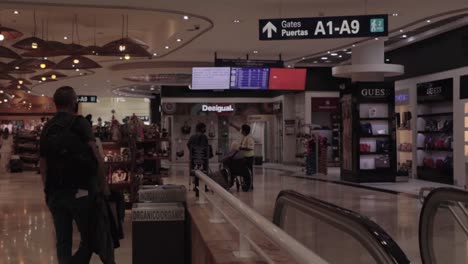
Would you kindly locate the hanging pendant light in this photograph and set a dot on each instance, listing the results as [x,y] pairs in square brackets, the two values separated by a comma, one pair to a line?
[36,64]
[5,76]
[48,76]
[52,49]
[9,33]
[20,67]
[125,46]
[31,43]
[8,53]
[20,81]
[15,87]
[75,62]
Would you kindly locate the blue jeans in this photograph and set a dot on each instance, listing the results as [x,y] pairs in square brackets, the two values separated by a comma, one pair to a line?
[65,209]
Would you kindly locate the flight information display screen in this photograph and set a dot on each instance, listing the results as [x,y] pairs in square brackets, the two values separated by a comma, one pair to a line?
[211,78]
[250,78]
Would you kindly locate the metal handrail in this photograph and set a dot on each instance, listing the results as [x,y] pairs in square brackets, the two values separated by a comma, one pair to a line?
[376,241]
[438,198]
[297,250]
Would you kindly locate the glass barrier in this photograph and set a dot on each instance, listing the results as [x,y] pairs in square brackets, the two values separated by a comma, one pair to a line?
[443,229]
[336,234]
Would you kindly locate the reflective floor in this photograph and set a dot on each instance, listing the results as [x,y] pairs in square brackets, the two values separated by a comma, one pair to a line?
[27,233]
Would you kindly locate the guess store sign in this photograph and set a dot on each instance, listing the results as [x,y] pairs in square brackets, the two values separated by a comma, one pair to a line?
[325,104]
[374,92]
[441,90]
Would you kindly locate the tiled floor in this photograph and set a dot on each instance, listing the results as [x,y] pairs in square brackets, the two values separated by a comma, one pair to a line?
[26,234]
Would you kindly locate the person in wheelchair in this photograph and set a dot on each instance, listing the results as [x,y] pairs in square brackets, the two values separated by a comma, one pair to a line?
[237,169]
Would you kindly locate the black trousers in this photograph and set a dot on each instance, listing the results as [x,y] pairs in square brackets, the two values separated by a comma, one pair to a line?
[250,164]
[65,209]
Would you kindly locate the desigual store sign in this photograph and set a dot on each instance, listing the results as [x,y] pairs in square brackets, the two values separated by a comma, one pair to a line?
[218,108]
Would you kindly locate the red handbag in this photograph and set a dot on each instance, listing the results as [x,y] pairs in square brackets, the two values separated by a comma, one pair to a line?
[364,148]
[429,162]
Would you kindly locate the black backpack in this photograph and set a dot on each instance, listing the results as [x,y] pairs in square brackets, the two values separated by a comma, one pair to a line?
[70,161]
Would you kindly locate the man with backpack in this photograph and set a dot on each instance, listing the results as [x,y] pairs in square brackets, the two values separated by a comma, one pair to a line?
[72,172]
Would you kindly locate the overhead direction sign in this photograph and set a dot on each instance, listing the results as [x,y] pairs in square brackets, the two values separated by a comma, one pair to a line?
[323,27]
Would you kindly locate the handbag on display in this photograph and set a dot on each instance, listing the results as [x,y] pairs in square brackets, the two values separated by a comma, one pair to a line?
[186,128]
[398,120]
[383,146]
[406,147]
[366,129]
[431,125]
[382,162]
[429,162]
[364,148]
[372,112]
[382,132]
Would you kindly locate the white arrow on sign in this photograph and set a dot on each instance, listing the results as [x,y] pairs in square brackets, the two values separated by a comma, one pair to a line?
[270,28]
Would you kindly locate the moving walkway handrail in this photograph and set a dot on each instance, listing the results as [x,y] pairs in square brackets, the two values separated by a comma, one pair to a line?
[297,250]
[379,244]
[438,198]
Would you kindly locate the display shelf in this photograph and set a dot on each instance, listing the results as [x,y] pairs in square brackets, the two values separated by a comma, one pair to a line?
[436,149]
[118,163]
[120,185]
[375,136]
[373,153]
[360,101]
[433,132]
[436,114]
[435,175]
[375,118]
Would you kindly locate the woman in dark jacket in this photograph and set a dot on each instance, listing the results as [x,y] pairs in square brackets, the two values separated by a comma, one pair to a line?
[200,152]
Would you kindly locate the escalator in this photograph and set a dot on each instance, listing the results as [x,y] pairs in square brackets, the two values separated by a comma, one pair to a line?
[339,235]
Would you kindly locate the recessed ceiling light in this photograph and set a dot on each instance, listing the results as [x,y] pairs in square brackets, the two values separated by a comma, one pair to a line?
[303,58]
[328,52]
[255,51]
[404,36]
[376,38]
[42,94]
[324,58]
[334,54]
[77,70]
[186,17]
[387,60]
[16,12]
[401,30]
[237,21]
[5,100]
[16,68]
[327,61]
[167,47]
[133,89]
[29,92]
[65,38]
[39,81]
[354,45]
[349,52]
[428,21]
[395,14]
[340,56]
[315,61]
[155,54]
[345,50]
[289,66]
[179,40]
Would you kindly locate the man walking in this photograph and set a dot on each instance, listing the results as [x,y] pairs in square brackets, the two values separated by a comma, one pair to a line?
[71,171]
